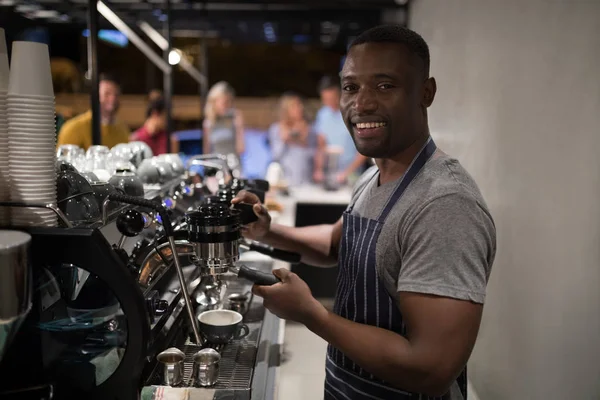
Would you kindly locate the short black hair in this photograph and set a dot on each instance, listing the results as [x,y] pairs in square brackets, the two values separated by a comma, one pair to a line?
[157,106]
[107,76]
[328,82]
[400,35]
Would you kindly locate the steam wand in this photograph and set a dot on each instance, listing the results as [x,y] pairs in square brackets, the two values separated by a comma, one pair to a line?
[162,211]
[208,160]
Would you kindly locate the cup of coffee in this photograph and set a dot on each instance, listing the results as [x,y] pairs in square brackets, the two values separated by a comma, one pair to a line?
[222,326]
[171,361]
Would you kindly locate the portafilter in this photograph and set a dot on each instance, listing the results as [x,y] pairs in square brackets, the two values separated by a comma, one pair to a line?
[214,230]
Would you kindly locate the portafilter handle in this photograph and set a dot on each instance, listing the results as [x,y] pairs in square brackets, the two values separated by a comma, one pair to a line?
[169,232]
[204,160]
[258,277]
[283,255]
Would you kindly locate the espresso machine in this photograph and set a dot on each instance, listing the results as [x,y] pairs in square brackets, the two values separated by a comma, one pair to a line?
[109,295]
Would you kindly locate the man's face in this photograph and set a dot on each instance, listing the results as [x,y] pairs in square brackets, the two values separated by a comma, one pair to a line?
[161,120]
[331,98]
[223,103]
[109,97]
[382,99]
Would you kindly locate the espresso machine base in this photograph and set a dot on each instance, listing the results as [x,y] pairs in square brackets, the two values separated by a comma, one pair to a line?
[239,358]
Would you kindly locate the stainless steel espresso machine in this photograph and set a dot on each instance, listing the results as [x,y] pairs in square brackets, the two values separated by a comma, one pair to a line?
[110,295]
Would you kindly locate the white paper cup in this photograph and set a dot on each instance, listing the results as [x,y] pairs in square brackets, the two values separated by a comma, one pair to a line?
[37,147]
[34,99]
[40,131]
[31,118]
[33,129]
[27,110]
[30,70]
[31,176]
[4,71]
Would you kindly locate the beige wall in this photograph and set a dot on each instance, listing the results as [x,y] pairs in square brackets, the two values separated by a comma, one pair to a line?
[519,104]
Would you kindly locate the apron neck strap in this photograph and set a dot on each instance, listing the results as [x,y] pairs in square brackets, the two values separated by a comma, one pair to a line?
[413,170]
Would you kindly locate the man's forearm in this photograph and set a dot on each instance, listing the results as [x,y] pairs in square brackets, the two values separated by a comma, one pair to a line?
[312,242]
[381,352]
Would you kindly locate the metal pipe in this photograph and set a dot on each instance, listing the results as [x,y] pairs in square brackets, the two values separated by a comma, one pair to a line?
[168,76]
[204,66]
[163,44]
[184,292]
[92,54]
[132,36]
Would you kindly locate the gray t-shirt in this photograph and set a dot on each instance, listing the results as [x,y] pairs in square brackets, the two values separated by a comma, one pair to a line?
[439,238]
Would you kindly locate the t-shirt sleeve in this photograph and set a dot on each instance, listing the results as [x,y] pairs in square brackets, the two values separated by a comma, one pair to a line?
[448,249]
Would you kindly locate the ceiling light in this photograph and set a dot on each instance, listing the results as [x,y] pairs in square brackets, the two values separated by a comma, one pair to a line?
[46,13]
[174,57]
[25,8]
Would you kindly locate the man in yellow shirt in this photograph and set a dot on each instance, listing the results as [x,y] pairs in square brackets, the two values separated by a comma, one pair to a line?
[78,130]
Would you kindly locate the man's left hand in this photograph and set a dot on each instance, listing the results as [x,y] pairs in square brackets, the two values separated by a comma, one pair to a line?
[291,299]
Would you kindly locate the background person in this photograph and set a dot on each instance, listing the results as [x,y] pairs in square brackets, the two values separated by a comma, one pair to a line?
[332,131]
[154,132]
[415,247]
[293,141]
[78,130]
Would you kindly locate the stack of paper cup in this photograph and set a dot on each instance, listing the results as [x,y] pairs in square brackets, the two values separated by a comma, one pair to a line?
[31,134]
[4,175]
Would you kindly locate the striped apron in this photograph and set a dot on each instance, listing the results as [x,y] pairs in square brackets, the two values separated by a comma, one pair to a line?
[362,297]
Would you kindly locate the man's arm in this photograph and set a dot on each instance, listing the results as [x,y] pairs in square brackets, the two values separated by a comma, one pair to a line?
[441,336]
[318,245]
[239,133]
[447,251]
[206,137]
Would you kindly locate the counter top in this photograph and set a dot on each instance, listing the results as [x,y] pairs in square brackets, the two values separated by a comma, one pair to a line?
[316,194]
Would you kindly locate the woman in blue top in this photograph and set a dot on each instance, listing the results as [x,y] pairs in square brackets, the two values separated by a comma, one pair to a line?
[293,141]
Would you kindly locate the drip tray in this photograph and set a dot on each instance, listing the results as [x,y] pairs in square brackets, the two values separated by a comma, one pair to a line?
[238,358]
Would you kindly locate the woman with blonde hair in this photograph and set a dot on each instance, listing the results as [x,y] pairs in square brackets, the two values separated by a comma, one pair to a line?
[223,127]
[293,141]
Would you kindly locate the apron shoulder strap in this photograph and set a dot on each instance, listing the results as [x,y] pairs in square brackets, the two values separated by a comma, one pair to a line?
[362,190]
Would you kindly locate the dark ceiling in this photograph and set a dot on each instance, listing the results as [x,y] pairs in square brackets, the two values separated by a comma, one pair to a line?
[328,23]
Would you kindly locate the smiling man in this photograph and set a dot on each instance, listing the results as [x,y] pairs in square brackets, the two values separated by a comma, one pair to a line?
[415,247]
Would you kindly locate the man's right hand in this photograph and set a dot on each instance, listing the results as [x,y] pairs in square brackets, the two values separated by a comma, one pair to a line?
[259,229]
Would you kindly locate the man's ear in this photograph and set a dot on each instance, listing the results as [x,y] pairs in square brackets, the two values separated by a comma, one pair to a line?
[429,90]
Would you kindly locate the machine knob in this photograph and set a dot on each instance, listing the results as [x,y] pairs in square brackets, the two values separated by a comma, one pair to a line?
[130,223]
[161,307]
[155,306]
[188,190]
[169,203]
